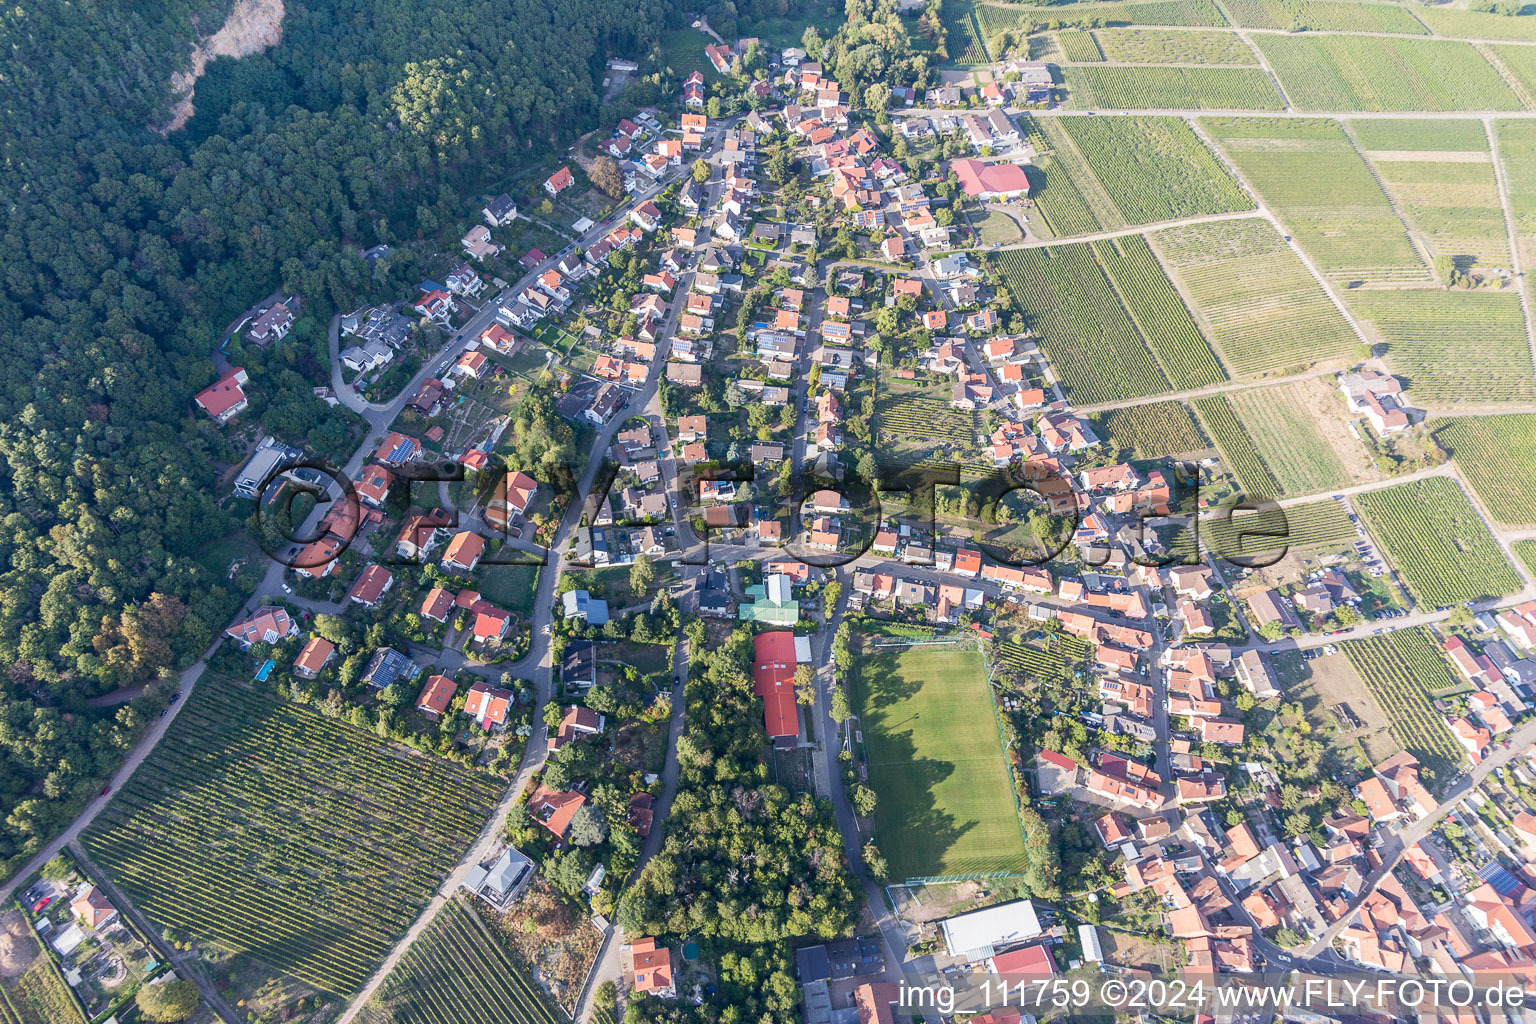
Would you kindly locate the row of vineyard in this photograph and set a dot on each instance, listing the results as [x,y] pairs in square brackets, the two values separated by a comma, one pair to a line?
[1404,670]
[274,831]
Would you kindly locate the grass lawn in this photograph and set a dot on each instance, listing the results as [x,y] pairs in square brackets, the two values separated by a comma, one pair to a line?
[511,586]
[996,226]
[937,764]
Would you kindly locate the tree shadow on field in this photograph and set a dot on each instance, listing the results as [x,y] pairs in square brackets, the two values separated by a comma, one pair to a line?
[881,685]
[913,829]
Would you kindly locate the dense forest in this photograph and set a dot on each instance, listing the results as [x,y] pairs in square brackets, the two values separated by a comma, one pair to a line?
[128,253]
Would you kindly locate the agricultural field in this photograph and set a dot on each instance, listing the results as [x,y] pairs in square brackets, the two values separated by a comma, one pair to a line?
[1520,61]
[1405,671]
[1516,142]
[457,972]
[1447,21]
[947,805]
[1316,524]
[1525,550]
[683,52]
[1153,431]
[1154,168]
[272,830]
[964,37]
[1450,195]
[1258,302]
[1319,15]
[1452,347]
[1085,332]
[1155,88]
[1158,312]
[919,417]
[1060,184]
[1159,46]
[1024,20]
[1439,545]
[1312,177]
[1286,431]
[1408,134]
[1035,664]
[1238,453]
[1079,45]
[1498,456]
[38,996]
[1347,72]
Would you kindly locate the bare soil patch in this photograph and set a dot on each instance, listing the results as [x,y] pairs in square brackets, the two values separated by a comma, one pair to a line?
[17,947]
[252,26]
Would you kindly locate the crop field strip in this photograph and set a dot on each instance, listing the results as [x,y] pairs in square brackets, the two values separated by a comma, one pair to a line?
[1315,524]
[38,996]
[1516,142]
[1085,331]
[1158,312]
[1163,46]
[1287,437]
[963,34]
[1044,666]
[1238,452]
[1498,456]
[1404,670]
[1309,173]
[1449,194]
[1519,61]
[1260,305]
[272,830]
[1439,545]
[1155,168]
[457,972]
[1052,187]
[1368,73]
[1321,16]
[1153,431]
[1525,550]
[1445,21]
[1453,346]
[1020,19]
[1160,88]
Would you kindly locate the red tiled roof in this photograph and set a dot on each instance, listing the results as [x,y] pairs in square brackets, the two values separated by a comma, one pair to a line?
[314,655]
[773,679]
[437,694]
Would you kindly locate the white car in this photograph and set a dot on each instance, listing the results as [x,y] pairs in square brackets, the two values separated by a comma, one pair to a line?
[287,589]
[545,630]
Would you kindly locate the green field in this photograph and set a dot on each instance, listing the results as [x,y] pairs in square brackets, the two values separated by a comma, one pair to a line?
[1451,196]
[1155,88]
[1085,332]
[1261,306]
[1520,61]
[1439,545]
[937,763]
[512,587]
[1445,135]
[1448,21]
[1316,524]
[1158,312]
[683,52]
[1153,431]
[1312,177]
[1453,346]
[1319,15]
[455,973]
[272,830]
[1404,670]
[1238,453]
[963,34]
[1061,186]
[1289,441]
[1161,46]
[1525,550]
[1516,142]
[1154,168]
[1498,456]
[1347,72]
[1023,20]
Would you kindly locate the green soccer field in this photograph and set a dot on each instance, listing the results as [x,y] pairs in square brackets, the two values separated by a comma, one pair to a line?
[937,764]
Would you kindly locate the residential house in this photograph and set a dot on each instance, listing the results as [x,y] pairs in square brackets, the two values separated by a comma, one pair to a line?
[224,399]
